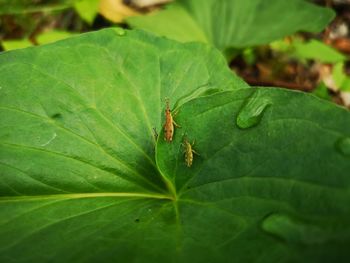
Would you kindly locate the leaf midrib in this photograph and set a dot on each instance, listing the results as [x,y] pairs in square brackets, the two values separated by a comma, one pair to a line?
[85,195]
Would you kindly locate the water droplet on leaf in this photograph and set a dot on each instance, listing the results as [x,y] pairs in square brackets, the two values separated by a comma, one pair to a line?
[343,146]
[252,112]
[294,231]
[120,31]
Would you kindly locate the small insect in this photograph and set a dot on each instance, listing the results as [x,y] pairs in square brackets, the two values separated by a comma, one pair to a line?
[155,133]
[188,151]
[169,124]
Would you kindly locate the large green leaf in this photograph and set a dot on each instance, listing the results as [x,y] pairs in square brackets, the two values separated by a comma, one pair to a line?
[83,181]
[230,24]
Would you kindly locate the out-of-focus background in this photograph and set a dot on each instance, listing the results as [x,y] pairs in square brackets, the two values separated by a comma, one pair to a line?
[261,41]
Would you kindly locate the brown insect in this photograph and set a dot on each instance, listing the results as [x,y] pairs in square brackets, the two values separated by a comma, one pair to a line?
[169,124]
[188,151]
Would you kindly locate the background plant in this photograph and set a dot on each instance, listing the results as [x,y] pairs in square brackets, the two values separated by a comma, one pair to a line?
[83,179]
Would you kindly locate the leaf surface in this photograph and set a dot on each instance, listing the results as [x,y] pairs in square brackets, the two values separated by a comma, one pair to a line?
[83,180]
[270,174]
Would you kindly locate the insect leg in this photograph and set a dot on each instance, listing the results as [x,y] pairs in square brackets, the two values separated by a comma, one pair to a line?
[175,124]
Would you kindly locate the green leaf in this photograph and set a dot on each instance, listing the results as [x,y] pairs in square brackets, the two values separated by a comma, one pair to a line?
[317,50]
[313,49]
[82,179]
[87,9]
[340,78]
[271,174]
[53,36]
[321,91]
[16,44]
[346,84]
[43,38]
[173,22]
[229,24]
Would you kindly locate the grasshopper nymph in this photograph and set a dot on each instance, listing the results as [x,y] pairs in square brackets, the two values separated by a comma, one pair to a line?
[169,124]
[188,151]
